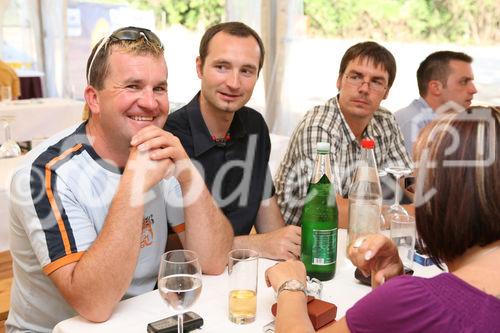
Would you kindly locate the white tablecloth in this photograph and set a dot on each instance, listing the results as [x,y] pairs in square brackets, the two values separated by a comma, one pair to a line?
[7,167]
[40,118]
[134,314]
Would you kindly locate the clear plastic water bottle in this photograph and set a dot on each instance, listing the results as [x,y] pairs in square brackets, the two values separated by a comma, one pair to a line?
[365,195]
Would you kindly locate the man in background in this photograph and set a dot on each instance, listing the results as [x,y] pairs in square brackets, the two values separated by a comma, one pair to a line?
[230,142]
[445,82]
[367,71]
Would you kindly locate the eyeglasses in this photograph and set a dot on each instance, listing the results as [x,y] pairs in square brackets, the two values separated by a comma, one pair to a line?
[125,34]
[357,81]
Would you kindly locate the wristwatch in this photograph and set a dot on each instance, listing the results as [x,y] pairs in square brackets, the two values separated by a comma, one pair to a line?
[292,285]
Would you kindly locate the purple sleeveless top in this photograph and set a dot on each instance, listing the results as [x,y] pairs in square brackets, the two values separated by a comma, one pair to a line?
[412,304]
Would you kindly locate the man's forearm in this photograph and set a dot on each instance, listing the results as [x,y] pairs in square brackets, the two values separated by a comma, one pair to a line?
[269,216]
[208,232]
[292,313]
[103,274]
[253,242]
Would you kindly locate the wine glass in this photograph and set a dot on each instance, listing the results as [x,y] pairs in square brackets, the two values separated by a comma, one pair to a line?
[397,172]
[9,148]
[381,173]
[179,281]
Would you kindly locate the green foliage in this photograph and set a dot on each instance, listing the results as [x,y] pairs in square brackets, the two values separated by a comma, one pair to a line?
[190,13]
[435,20]
[438,20]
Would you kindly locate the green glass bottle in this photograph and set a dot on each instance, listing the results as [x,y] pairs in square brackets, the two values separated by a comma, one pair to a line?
[319,220]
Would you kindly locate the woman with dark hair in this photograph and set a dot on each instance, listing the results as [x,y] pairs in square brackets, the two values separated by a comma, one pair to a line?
[458,219]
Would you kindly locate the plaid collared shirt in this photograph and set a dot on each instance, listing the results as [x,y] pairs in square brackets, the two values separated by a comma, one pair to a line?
[326,123]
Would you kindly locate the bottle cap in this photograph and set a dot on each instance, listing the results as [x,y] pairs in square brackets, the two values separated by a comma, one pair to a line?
[367,143]
[323,147]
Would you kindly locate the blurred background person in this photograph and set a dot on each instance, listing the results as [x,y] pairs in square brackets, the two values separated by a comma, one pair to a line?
[9,78]
[445,81]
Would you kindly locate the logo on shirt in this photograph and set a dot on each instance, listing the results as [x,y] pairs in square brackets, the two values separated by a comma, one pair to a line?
[147,231]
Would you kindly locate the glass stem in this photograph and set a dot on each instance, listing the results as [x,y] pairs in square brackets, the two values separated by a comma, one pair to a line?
[8,135]
[180,323]
[396,192]
[5,126]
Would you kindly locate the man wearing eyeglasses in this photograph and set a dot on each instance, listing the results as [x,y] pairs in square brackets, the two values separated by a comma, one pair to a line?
[91,206]
[445,82]
[367,71]
[230,142]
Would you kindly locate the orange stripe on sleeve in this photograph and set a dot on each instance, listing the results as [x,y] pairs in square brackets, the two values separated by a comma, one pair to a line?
[50,196]
[55,265]
[179,228]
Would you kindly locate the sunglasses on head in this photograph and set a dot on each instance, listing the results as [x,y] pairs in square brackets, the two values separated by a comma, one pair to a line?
[125,34]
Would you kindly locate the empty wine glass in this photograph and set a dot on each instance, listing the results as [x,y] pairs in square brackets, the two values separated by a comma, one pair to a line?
[9,147]
[381,173]
[397,172]
[179,281]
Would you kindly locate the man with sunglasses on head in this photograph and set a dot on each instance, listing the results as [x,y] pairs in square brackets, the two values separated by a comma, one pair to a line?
[367,71]
[89,226]
[230,142]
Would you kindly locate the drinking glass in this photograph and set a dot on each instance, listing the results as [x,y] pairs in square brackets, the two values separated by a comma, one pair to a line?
[381,173]
[403,233]
[179,281]
[314,287]
[242,269]
[397,172]
[9,147]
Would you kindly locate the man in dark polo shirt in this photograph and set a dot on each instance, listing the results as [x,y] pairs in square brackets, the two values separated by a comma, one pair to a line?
[230,142]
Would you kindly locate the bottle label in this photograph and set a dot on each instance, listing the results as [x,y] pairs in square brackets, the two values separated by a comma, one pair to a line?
[365,173]
[324,246]
[364,217]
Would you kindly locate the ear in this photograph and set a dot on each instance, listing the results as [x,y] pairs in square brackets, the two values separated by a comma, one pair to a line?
[386,93]
[92,99]
[339,81]
[434,88]
[199,67]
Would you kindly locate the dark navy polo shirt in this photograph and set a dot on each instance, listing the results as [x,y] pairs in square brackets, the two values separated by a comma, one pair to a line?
[237,173]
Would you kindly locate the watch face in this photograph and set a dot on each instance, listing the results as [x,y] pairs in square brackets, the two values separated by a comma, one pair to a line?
[294,284]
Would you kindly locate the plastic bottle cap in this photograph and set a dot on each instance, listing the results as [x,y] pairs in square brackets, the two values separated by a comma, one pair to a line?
[367,143]
[323,147]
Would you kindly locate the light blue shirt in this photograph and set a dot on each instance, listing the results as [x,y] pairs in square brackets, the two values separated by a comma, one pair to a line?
[59,201]
[412,119]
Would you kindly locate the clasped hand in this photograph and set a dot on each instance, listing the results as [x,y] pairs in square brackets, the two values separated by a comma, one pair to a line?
[157,154]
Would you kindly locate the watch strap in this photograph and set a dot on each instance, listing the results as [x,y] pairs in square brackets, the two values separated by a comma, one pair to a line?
[292,285]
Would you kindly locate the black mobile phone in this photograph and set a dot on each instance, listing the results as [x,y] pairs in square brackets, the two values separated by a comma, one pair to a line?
[409,181]
[169,325]
[367,280]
